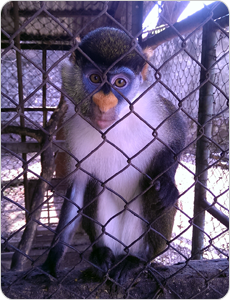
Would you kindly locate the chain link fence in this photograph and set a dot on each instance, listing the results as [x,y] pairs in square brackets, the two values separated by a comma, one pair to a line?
[36,38]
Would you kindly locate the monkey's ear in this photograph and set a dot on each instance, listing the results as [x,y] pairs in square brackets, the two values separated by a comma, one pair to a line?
[76,55]
[144,71]
[148,53]
[76,58]
[72,58]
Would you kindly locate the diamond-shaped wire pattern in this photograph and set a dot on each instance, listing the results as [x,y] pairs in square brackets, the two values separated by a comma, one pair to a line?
[31,127]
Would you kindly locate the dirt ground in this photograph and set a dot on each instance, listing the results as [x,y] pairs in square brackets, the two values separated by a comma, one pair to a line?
[197,279]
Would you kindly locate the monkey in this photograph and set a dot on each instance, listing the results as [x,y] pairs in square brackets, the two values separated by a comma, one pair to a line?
[125,142]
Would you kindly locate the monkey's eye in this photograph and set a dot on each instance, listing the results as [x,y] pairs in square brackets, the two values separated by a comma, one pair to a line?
[95,78]
[120,82]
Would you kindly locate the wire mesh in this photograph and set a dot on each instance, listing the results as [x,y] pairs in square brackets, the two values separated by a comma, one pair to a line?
[173,71]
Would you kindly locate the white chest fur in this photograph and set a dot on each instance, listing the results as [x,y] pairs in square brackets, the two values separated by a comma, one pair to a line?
[117,161]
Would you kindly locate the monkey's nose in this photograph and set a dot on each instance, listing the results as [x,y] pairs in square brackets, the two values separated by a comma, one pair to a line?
[105,102]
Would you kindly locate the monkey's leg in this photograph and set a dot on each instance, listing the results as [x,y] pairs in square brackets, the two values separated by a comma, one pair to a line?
[64,232]
[160,212]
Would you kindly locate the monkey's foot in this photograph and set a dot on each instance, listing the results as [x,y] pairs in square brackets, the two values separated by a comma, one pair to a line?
[104,258]
[49,268]
[104,261]
[127,269]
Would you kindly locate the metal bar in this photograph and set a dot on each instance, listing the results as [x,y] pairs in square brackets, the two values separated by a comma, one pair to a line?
[39,46]
[137,13]
[61,13]
[30,147]
[44,87]
[20,96]
[204,132]
[215,213]
[35,109]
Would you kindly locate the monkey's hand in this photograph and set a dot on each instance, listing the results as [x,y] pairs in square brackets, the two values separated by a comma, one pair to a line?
[165,193]
[121,268]
[104,258]
[126,269]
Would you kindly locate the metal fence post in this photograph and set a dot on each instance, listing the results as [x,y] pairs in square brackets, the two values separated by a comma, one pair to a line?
[21,104]
[205,113]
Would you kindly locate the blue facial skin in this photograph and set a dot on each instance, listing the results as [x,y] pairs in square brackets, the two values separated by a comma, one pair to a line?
[113,77]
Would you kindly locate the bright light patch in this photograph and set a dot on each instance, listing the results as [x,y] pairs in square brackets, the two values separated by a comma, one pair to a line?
[193,7]
[150,21]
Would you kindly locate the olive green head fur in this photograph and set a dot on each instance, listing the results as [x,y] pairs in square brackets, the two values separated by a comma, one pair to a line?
[72,84]
[106,45]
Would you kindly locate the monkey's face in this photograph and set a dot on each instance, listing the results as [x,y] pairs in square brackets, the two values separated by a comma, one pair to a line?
[111,93]
[100,92]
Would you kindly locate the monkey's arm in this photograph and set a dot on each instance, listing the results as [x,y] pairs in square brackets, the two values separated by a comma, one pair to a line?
[68,222]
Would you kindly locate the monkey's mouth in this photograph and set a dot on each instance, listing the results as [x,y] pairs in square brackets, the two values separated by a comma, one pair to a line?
[103,120]
[101,123]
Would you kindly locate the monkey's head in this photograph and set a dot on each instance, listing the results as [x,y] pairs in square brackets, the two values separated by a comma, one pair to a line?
[103,85]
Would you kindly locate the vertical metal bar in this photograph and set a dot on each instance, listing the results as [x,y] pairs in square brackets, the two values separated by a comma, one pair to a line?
[205,112]
[44,88]
[44,66]
[75,24]
[127,15]
[20,96]
[137,18]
